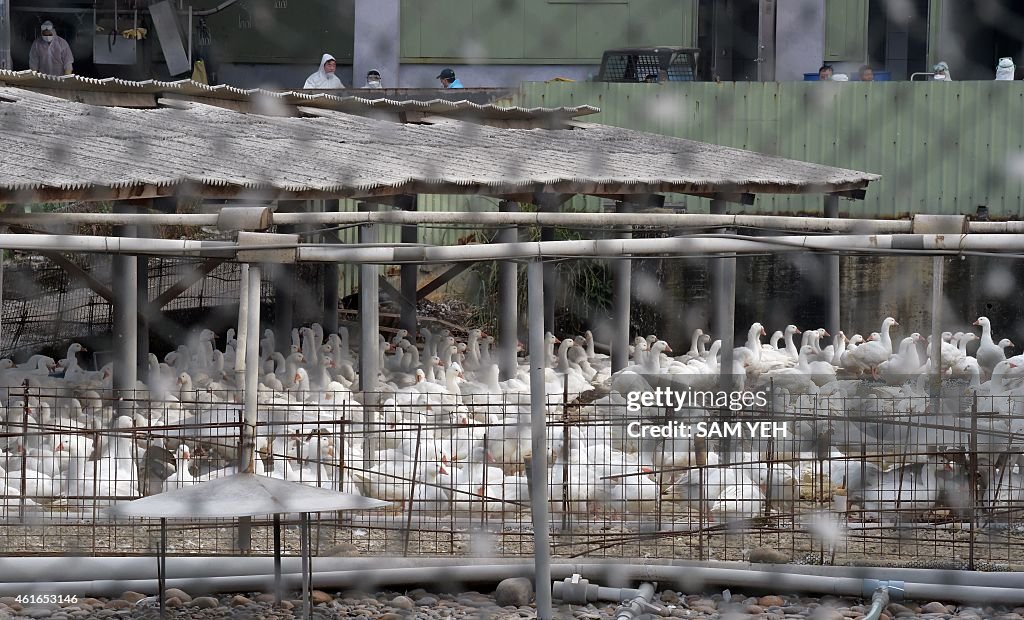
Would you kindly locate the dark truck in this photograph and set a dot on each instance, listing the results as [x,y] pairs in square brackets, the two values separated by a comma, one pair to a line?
[650,64]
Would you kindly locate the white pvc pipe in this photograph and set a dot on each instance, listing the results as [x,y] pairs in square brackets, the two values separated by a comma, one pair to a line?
[110,245]
[943,244]
[686,578]
[17,570]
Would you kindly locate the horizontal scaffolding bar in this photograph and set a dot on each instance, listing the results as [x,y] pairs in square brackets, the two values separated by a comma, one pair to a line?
[115,245]
[694,245]
[522,218]
[929,245]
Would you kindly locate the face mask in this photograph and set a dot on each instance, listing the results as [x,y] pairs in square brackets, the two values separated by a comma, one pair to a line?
[47,37]
[373,83]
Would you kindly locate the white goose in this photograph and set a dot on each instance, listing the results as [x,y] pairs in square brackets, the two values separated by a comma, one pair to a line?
[872,353]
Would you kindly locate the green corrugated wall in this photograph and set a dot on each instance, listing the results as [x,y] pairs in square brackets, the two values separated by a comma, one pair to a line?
[940,147]
[390,233]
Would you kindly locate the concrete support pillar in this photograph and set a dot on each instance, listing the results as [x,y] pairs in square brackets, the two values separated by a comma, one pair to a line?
[407,288]
[832,309]
[538,428]
[125,285]
[508,302]
[376,42]
[622,277]
[723,302]
[369,316]
[332,272]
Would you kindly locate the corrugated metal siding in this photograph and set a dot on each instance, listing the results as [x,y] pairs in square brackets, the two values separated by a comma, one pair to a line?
[940,147]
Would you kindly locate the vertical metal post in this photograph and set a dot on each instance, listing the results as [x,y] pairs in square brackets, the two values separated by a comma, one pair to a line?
[622,277]
[285,283]
[5,35]
[723,301]
[162,567]
[307,611]
[252,363]
[369,316]
[539,459]
[242,338]
[832,309]
[125,282]
[142,354]
[547,203]
[277,558]
[284,306]
[2,260]
[937,277]
[508,301]
[550,284]
[407,307]
[331,274]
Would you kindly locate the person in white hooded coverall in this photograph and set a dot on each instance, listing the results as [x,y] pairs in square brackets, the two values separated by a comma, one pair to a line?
[49,53]
[324,77]
[1005,69]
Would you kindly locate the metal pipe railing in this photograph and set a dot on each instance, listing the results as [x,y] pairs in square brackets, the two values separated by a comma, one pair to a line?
[927,245]
[490,218]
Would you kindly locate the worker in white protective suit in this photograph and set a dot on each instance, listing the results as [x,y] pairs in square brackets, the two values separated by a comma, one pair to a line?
[324,77]
[49,53]
[941,71]
[1005,69]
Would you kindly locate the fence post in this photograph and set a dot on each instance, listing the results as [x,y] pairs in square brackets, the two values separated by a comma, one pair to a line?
[539,437]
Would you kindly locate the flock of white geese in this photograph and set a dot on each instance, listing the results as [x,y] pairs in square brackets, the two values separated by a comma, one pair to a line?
[448,436]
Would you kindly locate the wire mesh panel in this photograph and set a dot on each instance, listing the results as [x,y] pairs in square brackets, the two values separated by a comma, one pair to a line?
[867,476]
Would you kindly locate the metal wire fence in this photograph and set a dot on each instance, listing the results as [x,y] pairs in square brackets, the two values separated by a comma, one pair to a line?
[872,475]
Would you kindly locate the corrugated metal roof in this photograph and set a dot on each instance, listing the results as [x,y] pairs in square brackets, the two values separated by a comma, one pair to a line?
[266,98]
[62,150]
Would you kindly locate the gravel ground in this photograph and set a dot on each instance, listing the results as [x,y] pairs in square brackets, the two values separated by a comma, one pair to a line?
[416,604]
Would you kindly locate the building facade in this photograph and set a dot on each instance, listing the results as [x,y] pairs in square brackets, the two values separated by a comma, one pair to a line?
[277,43]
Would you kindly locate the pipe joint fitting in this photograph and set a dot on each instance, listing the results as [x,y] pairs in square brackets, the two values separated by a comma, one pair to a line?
[896,589]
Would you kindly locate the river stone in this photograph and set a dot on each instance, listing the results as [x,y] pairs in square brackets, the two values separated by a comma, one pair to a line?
[205,602]
[670,596]
[118,603]
[754,609]
[826,613]
[517,591]
[771,601]
[390,616]
[319,596]
[426,601]
[173,602]
[180,594]
[36,612]
[402,602]
[238,600]
[132,597]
